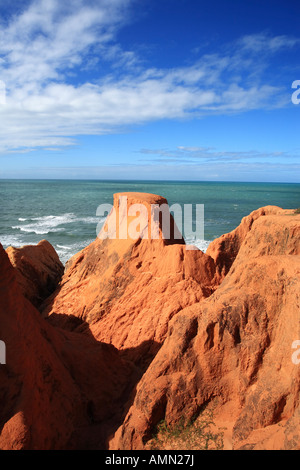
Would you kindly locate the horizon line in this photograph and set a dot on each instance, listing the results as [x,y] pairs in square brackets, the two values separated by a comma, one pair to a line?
[148,180]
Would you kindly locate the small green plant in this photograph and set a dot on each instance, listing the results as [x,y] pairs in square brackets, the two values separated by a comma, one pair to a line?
[297,211]
[196,434]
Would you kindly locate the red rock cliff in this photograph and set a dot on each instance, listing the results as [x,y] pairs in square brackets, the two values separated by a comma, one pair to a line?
[232,352]
[58,390]
[223,347]
[38,270]
[127,290]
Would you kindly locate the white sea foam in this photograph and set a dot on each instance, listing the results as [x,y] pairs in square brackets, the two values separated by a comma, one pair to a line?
[66,252]
[11,240]
[200,244]
[54,223]
[31,228]
[45,224]
[91,220]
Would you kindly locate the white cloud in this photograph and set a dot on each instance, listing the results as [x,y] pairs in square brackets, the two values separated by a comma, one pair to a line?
[263,42]
[46,46]
[201,155]
[51,37]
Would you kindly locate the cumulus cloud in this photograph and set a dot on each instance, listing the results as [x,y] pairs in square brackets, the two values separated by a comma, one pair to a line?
[46,47]
[51,37]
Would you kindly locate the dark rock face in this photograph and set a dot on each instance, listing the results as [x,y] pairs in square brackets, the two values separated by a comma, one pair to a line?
[38,270]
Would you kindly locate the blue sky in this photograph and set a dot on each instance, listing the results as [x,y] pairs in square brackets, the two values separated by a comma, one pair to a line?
[150,89]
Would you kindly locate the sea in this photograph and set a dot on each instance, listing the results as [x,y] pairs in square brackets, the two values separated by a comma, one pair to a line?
[64,212]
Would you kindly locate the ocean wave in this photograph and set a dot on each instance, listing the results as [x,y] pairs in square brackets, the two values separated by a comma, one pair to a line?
[66,252]
[200,244]
[54,223]
[11,240]
[31,228]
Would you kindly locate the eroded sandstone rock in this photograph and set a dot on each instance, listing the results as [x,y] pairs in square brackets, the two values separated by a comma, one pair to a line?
[58,389]
[127,290]
[232,352]
[38,270]
[226,348]
[225,249]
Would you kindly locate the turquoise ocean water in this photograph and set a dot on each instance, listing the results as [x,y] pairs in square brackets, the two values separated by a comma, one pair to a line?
[64,211]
